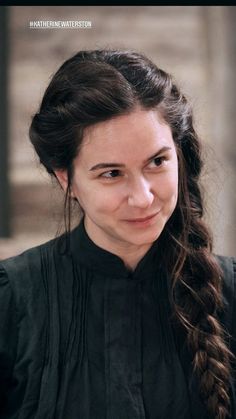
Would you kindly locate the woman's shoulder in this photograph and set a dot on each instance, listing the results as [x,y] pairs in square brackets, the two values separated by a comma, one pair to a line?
[28,255]
[22,269]
[226,262]
[228,267]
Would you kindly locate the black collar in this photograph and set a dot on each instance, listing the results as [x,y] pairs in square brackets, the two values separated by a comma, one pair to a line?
[86,252]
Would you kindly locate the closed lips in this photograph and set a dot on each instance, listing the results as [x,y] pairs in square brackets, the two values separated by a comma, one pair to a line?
[143,219]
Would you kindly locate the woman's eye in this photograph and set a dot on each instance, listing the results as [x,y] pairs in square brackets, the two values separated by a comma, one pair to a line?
[111,174]
[158,161]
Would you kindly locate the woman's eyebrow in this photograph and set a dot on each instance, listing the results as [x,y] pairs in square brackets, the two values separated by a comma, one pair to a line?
[108,165]
[162,150]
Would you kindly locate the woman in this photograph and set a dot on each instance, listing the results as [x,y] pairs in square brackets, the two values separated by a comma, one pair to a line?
[129,315]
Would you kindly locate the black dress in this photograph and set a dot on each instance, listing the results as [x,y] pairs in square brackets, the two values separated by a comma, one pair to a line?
[82,337]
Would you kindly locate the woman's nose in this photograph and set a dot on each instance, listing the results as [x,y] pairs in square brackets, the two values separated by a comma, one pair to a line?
[140,194]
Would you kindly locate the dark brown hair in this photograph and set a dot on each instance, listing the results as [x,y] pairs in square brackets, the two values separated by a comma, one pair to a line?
[94,86]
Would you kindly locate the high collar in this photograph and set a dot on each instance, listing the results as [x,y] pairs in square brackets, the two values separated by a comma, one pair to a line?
[86,252]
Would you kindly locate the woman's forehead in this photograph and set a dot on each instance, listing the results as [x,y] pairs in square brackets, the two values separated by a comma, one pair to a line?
[137,131]
[127,141]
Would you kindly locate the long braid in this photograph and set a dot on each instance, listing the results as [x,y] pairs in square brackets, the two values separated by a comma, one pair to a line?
[197,280]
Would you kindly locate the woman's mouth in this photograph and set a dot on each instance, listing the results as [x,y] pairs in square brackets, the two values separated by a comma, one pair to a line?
[145,221]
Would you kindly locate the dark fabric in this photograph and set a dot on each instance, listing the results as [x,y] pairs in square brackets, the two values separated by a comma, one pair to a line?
[82,337]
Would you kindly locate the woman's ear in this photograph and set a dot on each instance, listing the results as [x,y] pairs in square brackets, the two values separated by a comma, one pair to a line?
[62,178]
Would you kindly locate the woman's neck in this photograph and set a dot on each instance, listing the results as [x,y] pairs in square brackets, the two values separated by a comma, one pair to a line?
[130,253]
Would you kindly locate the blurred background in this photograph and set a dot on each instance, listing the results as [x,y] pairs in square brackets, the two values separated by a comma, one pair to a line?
[196,44]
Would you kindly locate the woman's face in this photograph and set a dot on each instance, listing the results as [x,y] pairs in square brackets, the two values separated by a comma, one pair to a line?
[126,180]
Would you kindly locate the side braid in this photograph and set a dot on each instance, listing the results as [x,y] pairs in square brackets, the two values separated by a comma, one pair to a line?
[198,279]
[211,359]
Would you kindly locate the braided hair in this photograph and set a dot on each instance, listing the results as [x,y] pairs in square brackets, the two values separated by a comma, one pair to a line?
[93,86]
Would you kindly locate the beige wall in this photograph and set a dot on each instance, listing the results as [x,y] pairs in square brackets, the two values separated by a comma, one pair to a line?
[194,43]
